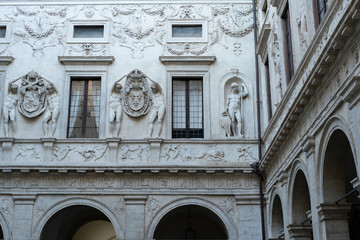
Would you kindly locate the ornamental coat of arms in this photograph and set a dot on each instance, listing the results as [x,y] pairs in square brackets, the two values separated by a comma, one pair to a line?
[32,95]
[136,101]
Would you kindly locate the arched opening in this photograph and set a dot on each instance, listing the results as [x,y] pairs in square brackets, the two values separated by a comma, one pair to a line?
[339,171]
[190,222]
[78,223]
[1,233]
[277,219]
[300,199]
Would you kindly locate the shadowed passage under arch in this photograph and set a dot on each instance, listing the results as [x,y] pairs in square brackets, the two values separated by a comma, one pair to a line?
[78,222]
[190,222]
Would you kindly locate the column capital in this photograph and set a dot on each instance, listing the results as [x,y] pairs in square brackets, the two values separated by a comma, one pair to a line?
[331,211]
[303,231]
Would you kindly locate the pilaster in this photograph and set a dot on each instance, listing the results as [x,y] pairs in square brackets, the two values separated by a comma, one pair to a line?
[6,148]
[334,219]
[23,216]
[113,144]
[135,217]
[300,231]
[48,146]
[155,144]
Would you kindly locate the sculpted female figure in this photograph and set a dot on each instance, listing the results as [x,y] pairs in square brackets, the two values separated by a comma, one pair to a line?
[9,108]
[115,111]
[157,110]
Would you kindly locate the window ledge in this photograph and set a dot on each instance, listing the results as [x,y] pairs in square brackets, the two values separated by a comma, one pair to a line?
[86,60]
[184,60]
[6,60]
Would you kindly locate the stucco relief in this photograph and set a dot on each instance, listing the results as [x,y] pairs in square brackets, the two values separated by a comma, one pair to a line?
[79,153]
[134,153]
[39,27]
[87,49]
[229,205]
[152,205]
[27,153]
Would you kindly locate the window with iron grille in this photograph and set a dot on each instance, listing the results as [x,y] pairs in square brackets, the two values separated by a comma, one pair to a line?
[268,89]
[84,110]
[187,108]
[321,6]
[288,44]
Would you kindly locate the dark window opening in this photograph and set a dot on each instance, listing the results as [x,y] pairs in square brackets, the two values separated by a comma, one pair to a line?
[322,7]
[289,51]
[187,108]
[83,31]
[268,89]
[84,111]
[186,31]
[2,31]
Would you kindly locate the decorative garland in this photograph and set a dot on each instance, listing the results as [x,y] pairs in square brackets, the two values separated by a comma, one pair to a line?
[34,34]
[138,36]
[116,11]
[182,52]
[158,12]
[25,13]
[236,34]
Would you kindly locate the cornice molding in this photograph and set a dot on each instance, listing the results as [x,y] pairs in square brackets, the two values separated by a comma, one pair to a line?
[6,60]
[86,60]
[261,48]
[187,60]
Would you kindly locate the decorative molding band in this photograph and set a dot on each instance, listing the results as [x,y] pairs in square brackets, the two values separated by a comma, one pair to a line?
[86,60]
[261,47]
[6,60]
[187,60]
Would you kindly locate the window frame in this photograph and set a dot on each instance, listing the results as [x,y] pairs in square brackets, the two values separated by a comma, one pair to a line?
[85,96]
[268,88]
[72,23]
[187,128]
[289,54]
[7,26]
[172,22]
[317,9]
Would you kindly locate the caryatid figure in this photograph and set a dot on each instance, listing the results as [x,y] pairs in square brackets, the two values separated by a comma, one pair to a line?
[52,111]
[115,111]
[157,111]
[9,109]
[234,105]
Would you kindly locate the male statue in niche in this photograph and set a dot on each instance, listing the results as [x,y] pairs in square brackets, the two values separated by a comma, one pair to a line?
[52,111]
[234,108]
[115,111]
[157,111]
[9,109]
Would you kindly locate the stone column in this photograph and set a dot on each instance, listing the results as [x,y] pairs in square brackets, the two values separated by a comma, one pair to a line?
[23,216]
[135,217]
[334,219]
[300,231]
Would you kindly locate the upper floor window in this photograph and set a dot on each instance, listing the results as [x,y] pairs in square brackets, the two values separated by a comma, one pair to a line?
[321,6]
[2,31]
[268,88]
[88,31]
[187,108]
[84,111]
[288,43]
[187,30]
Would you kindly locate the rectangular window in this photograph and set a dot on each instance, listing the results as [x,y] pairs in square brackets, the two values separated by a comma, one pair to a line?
[268,89]
[2,31]
[322,6]
[187,31]
[88,31]
[187,108]
[84,111]
[288,43]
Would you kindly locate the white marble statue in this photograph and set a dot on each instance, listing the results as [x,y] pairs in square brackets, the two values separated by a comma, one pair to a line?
[234,104]
[52,111]
[9,109]
[157,110]
[115,111]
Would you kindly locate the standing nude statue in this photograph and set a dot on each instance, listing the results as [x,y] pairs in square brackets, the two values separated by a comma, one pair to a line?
[234,105]
[115,111]
[52,111]
[9,109]
[157,111]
